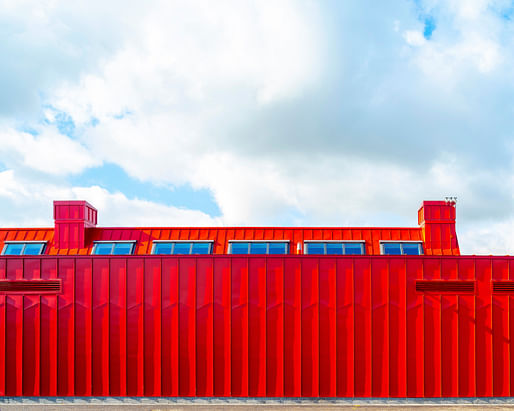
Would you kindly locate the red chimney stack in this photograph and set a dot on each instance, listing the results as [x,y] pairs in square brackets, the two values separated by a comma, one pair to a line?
[437,221]
[72,218]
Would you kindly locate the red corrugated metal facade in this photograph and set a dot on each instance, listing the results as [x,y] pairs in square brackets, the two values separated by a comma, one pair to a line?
[272,326]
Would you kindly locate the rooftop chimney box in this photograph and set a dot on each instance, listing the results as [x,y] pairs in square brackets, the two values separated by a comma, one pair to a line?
[72,218]
[437,221]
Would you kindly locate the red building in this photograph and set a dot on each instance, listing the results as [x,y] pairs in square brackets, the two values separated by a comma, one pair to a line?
[252,311]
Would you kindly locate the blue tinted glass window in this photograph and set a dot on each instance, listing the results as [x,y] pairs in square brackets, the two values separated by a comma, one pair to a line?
[277,248]
[162,248]
[182,248]
[239,248]
[33,249]
[335,248]
[201,248]
[392,248]
[353,249]
[103,248]
[411,248]
[13,249]
[258,248]
[122,248]
[316,248]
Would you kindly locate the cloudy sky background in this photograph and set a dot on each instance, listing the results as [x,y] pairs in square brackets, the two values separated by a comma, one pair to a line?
[260,112]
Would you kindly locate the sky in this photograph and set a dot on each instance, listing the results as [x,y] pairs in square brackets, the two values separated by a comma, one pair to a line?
[260,112]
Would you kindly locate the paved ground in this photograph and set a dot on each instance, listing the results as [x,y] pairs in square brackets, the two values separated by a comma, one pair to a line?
[194,407]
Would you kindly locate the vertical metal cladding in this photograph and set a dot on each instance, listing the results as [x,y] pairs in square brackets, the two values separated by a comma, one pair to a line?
[294,326]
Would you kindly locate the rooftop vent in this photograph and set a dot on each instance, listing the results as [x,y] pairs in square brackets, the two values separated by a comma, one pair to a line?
[448,286]
[30,286]
[503,287]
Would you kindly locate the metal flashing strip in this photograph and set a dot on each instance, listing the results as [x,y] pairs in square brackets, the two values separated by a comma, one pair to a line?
[336,241]
[181,241]
[259,401]
[25,242]
[258,241]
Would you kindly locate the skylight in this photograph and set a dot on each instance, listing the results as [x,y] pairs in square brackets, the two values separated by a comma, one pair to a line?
[23,247]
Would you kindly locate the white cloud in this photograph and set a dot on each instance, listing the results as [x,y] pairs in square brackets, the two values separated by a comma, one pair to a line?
[192,53]
[414,38]
[488,238]
[48,152]
[28,203]
[118,210]
[287,111]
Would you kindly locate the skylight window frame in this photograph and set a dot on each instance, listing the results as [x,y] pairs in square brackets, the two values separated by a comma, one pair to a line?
[267,242]
[210,242]
[401,242]
[41,250]
[132,249]
[343,242]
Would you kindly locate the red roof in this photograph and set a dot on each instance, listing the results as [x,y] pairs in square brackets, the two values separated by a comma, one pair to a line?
[438,235]
[221,236]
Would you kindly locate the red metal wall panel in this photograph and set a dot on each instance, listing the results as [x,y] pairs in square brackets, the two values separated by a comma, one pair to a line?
[204,327]
[380,328]
[257,326]
[3,321]
[152,327]
[274,355]
[66,328]
[239,336]
[327,327]
[14,333]
[187,323]
[49,332]
[135,358]
[118,327]
[83,326]
[100,310]
[170,327]
[31,332]
[344,328]
[222,324]
[415,327]
[432,331]
[511,328]
[466,332]
[449,333]
[293,327]
[483,334]
[362,329]
[397,328]
[310,327]
[500,332]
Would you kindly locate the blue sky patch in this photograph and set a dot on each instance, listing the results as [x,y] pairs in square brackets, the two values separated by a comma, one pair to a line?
[29,130]
[429,23]
[113,178]
[62,120]
[64,124]
[429,27]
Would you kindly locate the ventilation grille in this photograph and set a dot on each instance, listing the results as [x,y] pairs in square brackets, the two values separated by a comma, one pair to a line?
[504,287]
[30,286]
[447,287]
